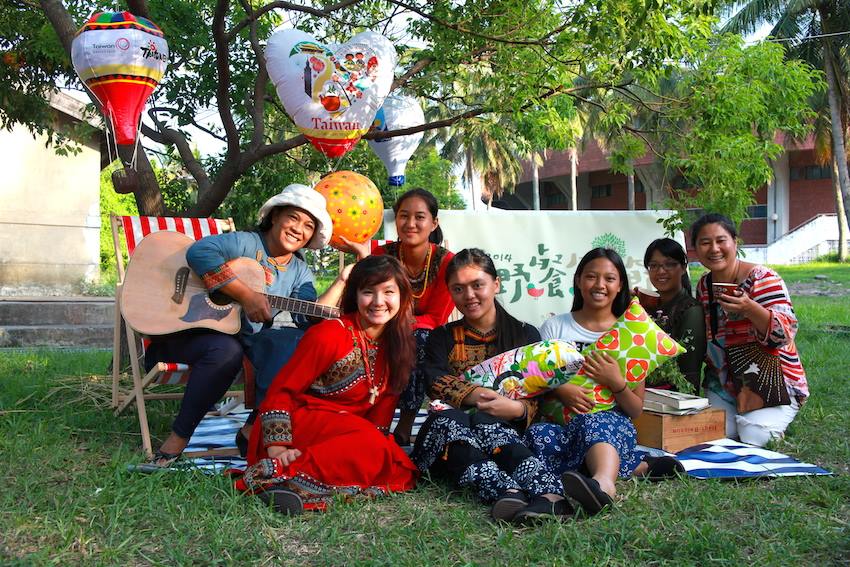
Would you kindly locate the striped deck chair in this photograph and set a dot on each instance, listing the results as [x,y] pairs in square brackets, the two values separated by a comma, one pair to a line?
[130,230]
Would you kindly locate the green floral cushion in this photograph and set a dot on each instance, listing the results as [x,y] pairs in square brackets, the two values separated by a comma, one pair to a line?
[637,344]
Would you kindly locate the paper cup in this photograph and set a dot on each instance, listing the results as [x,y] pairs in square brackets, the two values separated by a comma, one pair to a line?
[721,288]
[648,298]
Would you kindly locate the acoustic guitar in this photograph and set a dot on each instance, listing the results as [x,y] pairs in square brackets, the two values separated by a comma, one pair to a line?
[162,295]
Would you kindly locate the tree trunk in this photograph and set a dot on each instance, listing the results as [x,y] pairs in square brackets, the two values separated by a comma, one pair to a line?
[838,148]
[148,195]
[470,178]
[630,190]
[843,230]
[535,183]
[573,178]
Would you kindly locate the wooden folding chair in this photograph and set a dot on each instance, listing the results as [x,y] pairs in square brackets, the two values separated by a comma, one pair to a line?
[131,230]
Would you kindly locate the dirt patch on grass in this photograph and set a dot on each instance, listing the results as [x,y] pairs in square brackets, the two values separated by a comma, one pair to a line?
[824,288]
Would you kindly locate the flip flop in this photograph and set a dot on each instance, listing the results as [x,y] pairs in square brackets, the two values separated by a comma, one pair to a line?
[507,506]
[663,468]
[542,508]
[586,491]
[283,501]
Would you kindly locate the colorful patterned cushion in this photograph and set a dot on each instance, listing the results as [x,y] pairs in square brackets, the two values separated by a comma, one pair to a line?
[528,371]
[637,344]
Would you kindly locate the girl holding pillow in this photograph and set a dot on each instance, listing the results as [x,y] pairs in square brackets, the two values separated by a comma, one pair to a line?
[600,443]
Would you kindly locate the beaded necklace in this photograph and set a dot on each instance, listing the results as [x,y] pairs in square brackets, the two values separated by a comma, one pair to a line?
[426,268]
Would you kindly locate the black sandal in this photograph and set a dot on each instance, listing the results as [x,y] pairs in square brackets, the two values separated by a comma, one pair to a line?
[663,468]
[586,491]
[542,508]
[163,460]
[283,500]
[242,443]
[508,504]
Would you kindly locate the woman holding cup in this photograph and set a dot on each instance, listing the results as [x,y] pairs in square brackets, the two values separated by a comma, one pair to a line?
[753,370]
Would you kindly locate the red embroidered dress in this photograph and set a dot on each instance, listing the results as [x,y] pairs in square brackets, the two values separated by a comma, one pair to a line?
[320,404]
[433,307]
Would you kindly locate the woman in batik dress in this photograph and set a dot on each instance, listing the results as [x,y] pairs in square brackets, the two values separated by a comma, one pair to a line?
[482,450]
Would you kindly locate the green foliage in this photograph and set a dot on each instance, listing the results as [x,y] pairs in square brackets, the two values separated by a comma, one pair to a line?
[505,57]
[111,202]
[732,104]
[428,170]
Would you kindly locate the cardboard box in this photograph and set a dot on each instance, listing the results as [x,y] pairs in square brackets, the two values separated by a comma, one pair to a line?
[676,432]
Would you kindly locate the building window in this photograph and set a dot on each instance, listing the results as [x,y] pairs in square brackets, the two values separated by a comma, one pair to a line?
[638,186]
[757,211]
[600,191]
[557,198]
[811,172]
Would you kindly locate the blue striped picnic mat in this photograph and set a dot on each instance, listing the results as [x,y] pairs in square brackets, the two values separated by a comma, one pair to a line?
[219,432]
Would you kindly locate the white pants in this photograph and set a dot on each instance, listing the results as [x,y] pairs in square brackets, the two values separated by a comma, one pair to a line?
[755,427]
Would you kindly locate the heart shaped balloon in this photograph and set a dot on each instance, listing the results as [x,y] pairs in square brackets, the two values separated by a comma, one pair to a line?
[332,93]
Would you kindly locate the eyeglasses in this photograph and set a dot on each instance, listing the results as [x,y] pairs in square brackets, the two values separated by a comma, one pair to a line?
[668,266]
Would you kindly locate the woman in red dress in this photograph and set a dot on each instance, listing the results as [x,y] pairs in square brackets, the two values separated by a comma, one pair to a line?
[325,419]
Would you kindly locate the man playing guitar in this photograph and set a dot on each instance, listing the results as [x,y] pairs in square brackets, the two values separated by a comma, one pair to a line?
[291,220]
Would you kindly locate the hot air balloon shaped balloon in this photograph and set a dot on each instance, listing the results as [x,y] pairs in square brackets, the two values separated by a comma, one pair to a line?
[121,58]
[331,92]
[354,204]
[398,112]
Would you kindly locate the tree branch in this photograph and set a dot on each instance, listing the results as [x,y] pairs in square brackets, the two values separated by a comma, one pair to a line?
[222,63]
[414,69]
[322,13]
[431,18]
[139,8]
[255,106]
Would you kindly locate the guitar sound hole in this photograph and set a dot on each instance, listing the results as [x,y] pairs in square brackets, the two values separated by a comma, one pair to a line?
[220,298]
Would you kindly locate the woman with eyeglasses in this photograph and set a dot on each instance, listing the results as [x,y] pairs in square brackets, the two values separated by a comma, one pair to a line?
[677,312]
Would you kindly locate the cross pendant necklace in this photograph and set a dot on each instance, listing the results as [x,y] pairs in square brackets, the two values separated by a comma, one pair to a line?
[367,367]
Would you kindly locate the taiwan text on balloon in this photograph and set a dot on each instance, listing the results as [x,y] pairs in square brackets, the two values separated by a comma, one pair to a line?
[121,58]
[331,92]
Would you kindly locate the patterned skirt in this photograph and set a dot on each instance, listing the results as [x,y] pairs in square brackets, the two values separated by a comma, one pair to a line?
[341,454]
[563,447]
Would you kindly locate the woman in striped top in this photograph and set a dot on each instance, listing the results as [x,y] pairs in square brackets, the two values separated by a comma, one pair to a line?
[756,310]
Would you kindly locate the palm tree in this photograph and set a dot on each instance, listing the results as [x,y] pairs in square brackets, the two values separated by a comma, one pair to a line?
[814,29]
[485,145]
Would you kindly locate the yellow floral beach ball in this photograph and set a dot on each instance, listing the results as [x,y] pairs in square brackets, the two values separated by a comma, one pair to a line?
[354,204]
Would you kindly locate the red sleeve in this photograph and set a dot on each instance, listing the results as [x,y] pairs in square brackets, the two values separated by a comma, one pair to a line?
[321,345]
[435,306]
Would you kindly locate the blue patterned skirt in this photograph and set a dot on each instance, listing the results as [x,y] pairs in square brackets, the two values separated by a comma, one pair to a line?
[562,448]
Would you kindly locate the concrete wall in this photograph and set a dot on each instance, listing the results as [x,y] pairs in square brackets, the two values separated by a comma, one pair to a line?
[49,216]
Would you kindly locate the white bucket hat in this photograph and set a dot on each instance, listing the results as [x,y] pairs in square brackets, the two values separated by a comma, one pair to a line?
[307,199]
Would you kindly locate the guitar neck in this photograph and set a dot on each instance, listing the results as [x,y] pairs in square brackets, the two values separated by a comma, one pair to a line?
[302,307]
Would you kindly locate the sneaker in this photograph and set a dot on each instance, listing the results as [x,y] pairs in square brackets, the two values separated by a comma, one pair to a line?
[283,501]
[542,508]
[506,507]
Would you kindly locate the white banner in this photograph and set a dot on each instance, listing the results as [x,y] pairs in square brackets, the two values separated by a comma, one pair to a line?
[536,252]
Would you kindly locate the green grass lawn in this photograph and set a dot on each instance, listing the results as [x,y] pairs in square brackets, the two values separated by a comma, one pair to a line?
[67,497]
